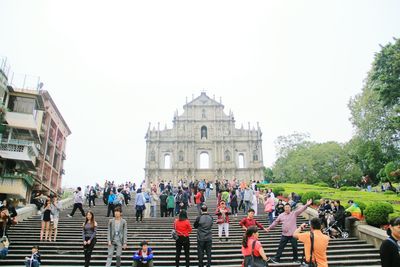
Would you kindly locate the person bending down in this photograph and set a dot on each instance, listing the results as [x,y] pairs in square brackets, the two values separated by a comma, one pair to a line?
[144,256]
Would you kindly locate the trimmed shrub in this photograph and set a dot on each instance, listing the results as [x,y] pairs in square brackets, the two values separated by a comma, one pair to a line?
[377,214]
[388,206]
[311,194]
[349,188]
[321,184]
[278,190]
[389,192]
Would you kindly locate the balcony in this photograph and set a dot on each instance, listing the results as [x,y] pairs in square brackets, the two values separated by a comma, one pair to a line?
[19,150]
[16,185]
[28,178]
[25,121]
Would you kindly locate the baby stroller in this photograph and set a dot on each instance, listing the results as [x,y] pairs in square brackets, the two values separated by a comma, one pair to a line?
[334,230]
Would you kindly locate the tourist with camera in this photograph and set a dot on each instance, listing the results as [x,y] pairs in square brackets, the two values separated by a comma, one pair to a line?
[315,243]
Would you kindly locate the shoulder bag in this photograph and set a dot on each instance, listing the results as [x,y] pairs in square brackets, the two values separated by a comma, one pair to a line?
[253,261]
[310,263]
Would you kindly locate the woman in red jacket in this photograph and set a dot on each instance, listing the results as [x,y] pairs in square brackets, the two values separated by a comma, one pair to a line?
[183,229]
[223,220]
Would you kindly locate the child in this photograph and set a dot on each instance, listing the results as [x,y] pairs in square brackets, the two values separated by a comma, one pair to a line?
[144,256]
[4,247]
[34,260]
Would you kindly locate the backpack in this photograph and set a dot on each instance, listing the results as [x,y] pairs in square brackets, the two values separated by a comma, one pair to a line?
[116,200]
[202,199]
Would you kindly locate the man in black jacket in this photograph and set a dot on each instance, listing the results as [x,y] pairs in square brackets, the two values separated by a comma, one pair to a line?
[203,224]
[390,249]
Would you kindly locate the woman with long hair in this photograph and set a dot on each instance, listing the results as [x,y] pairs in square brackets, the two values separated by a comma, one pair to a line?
[389,249]
[89,230]
[251,245]
[183,229]
[46,218]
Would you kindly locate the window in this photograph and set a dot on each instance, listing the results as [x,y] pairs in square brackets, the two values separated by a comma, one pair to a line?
[227,155]
[203,132]
[204,160]
[255,155]
[167,161]
[241,161]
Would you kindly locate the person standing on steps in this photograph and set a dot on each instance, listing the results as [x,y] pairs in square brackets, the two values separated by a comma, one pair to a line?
[78,201]
[183,229]
[117,237]
[111,200]
[288,219]
[203,224]
[56,207]
[139,205]
[223,220]
[46,218]
[390,248]
[89,230]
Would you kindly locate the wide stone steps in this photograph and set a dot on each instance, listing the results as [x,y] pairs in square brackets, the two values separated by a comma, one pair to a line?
[67,251]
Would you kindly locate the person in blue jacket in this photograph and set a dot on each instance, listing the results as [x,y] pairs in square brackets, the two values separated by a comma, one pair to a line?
[144,256]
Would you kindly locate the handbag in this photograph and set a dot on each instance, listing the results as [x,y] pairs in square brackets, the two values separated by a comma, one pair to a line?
[174,234]
[253,261]
[310,263]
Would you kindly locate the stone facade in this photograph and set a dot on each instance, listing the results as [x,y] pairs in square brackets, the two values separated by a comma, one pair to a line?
[203,144]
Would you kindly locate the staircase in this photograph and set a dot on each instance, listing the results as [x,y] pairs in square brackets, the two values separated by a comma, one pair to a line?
[67,251]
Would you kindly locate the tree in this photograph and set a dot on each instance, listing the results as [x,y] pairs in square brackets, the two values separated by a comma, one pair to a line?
[284,144]
[268,174]
[386,73]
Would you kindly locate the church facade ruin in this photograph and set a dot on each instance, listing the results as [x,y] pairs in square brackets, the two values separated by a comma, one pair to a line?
[203,144]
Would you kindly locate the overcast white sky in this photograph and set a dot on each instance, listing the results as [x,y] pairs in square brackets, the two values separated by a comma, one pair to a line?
[114,66]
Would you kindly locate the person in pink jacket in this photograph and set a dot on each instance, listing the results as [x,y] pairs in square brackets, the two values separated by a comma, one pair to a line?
[269,207]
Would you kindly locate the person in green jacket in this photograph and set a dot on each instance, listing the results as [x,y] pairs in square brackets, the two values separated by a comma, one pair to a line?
[170,204]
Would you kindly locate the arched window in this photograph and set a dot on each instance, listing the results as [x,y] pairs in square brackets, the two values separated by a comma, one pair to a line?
[255,155]
[152,156]
[203,132]
[204,160]
[180,156]
[167,161]
[227,155]
[241,161]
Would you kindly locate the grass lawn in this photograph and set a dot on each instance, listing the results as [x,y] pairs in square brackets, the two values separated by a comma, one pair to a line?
[343,196]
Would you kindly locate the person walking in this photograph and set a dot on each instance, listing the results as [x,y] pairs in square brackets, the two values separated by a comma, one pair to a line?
[247,198]
[78,201]
[89,230]
[56,207]
[163,204]
[269,208]
[139,205]
[288,219]
[315,242]
[170,204]
[223,213]
[46,218]
[203,224]
[153,204]
[117,237]
[198,201]
[183,229]
[389,250]
[234,202]
[92,197]
[251,246]
[111,200]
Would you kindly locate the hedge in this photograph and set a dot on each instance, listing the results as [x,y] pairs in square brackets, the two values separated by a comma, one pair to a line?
[311,194]
[377,214]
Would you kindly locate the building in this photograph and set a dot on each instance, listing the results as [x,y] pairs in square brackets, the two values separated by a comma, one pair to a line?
[22,113]
[32,140]
[54,133]
[203,144]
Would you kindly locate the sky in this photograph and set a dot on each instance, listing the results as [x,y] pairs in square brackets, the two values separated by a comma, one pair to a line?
[114,66]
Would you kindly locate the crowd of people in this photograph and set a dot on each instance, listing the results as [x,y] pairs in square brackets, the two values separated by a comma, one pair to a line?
[168,200]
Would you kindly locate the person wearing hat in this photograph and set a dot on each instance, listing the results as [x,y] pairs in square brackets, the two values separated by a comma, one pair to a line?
[390,248]
[144,256]
[203,224]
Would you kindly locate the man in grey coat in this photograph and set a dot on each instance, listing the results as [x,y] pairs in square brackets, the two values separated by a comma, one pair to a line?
[203,224]
[117,237]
